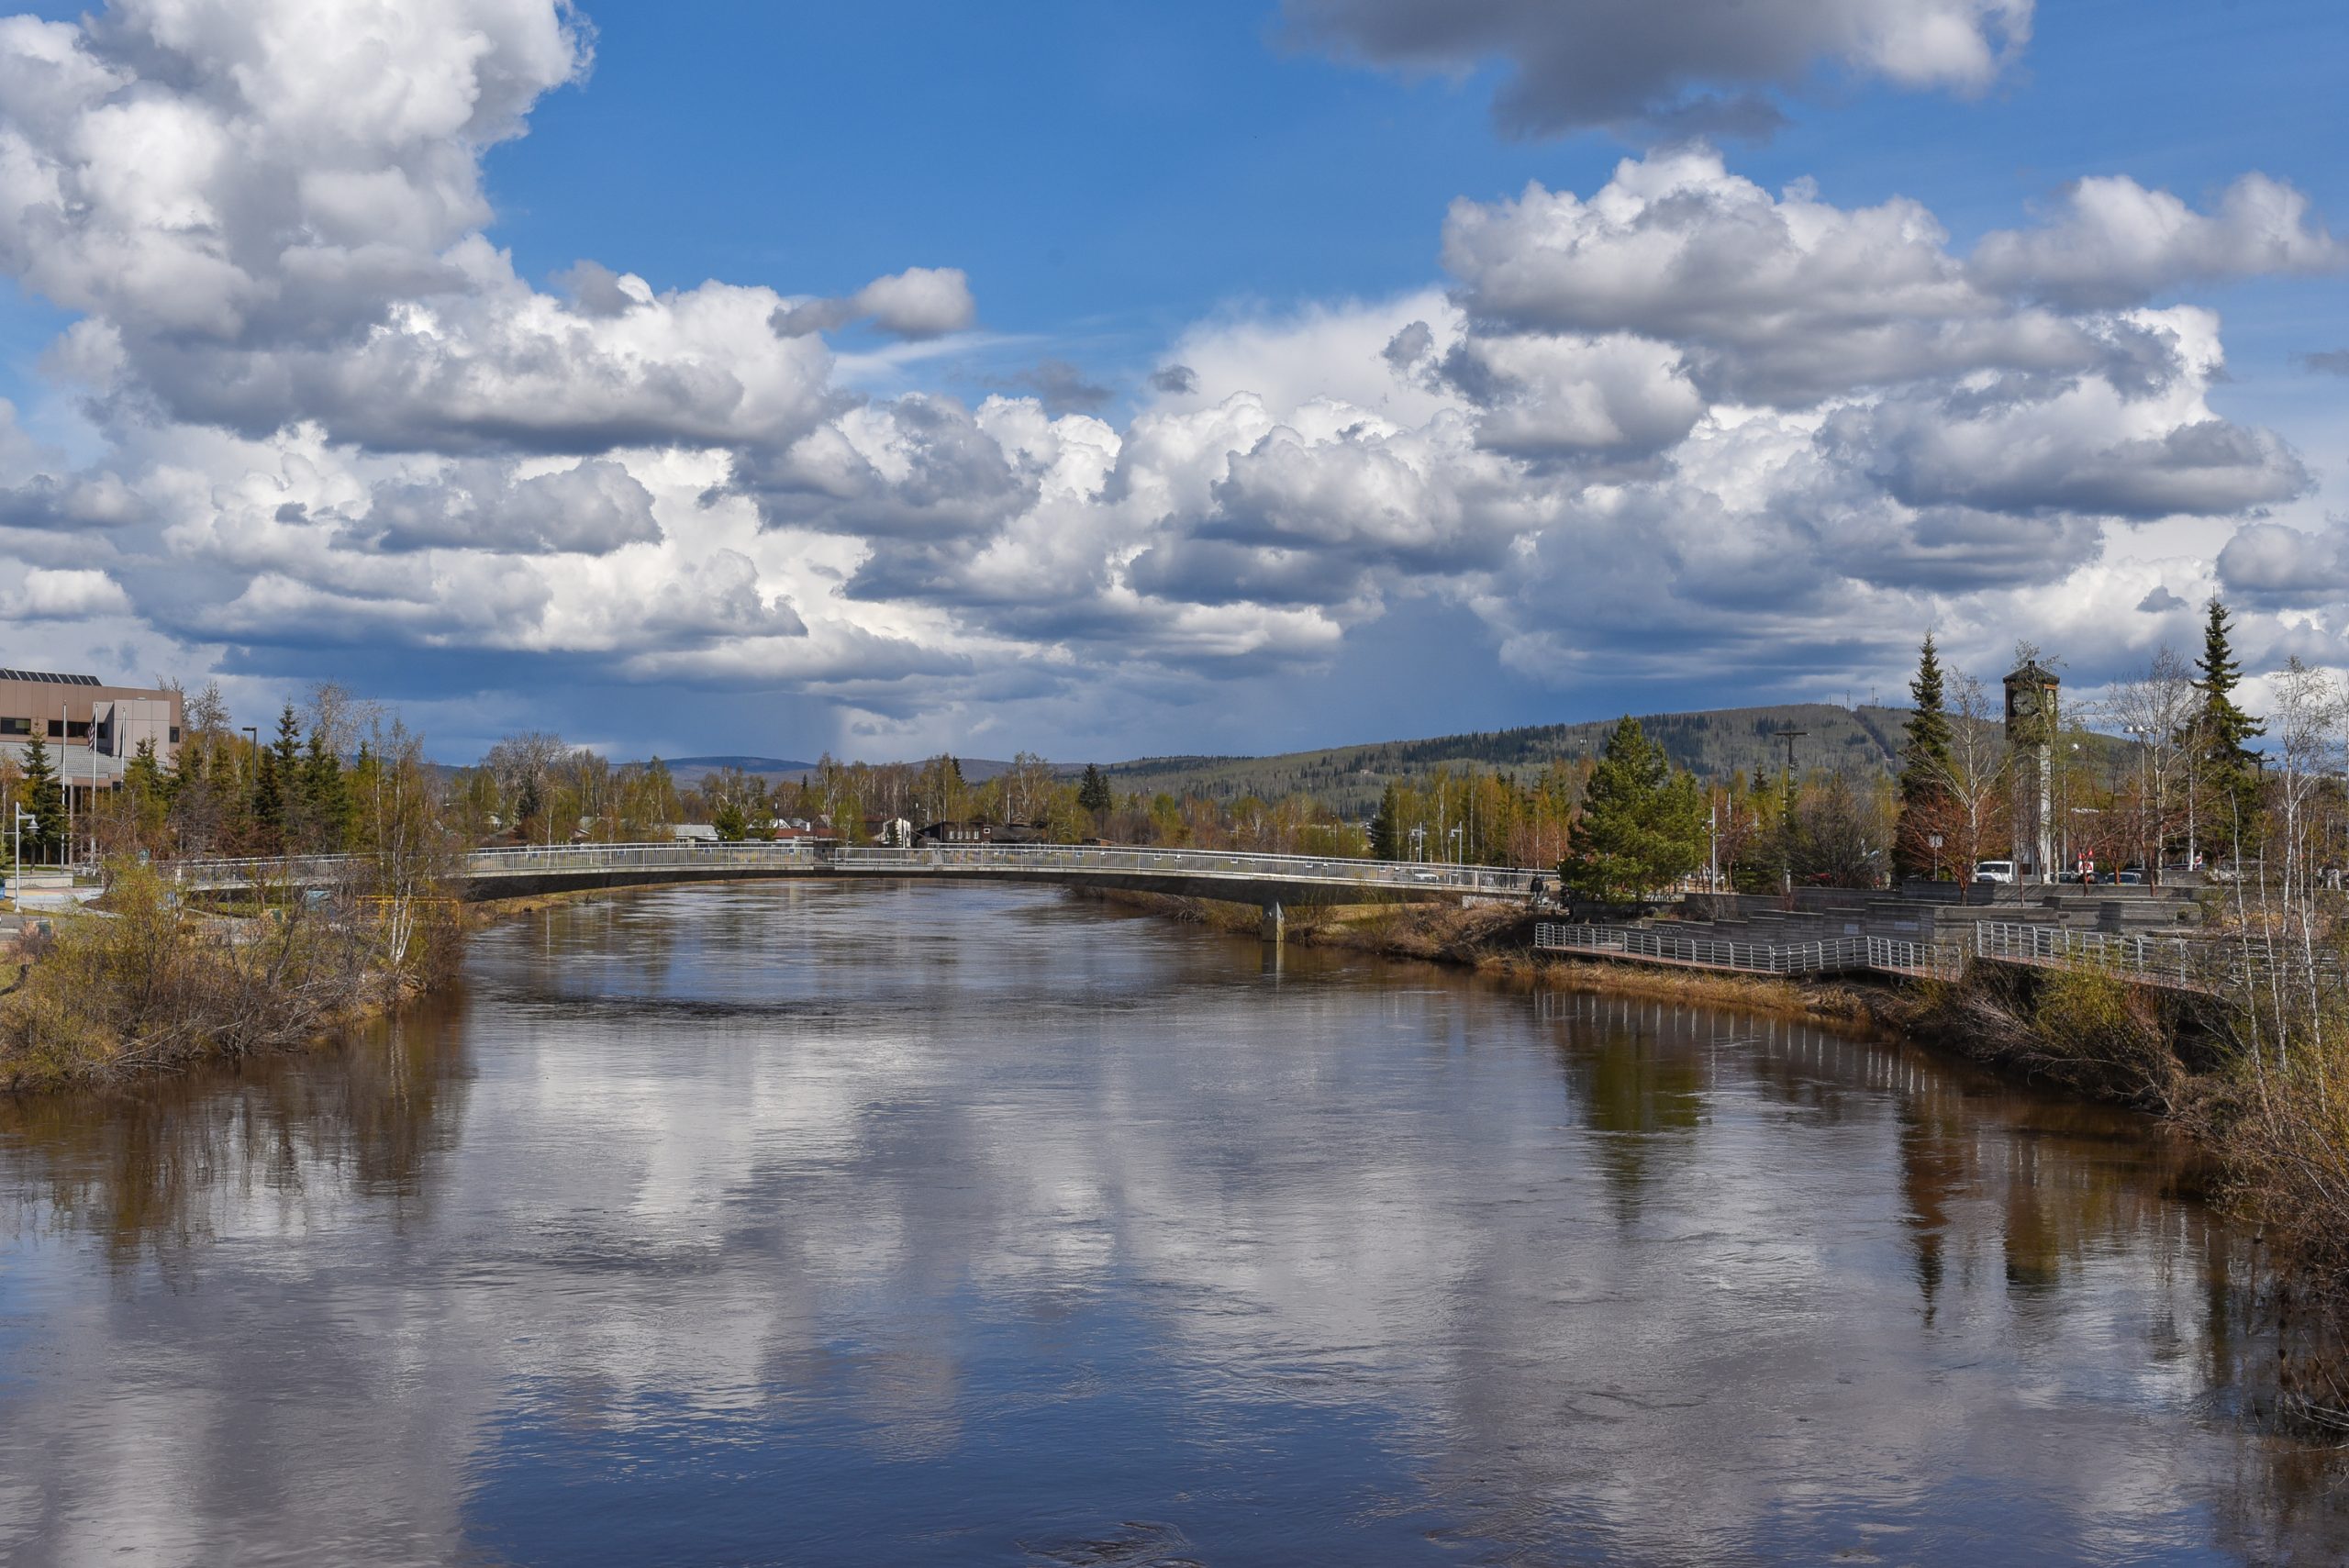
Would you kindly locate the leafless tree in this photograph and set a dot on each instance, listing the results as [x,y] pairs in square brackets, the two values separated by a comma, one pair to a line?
[2157,711]
[1027,788]
[1970,785]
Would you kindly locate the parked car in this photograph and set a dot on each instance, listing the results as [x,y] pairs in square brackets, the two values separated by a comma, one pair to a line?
[1994,871]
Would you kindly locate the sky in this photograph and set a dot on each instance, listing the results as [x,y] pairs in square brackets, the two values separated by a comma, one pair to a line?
[1119,381]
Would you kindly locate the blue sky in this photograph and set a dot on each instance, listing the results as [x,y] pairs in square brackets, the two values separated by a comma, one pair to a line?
[969,519]
[1110,174]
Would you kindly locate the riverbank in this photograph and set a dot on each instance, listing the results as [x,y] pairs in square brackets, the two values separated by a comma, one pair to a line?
[1498,940]
[141,984]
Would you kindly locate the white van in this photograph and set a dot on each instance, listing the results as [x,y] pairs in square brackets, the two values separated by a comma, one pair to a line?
[1994,871]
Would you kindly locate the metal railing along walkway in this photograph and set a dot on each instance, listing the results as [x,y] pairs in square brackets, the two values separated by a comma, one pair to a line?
[2173,962]
[2227,966]
[1827,956]
[2154,961]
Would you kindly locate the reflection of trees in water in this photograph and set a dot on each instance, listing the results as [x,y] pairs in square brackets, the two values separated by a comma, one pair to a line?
[2032,1195]
[1933,1176]
[2277,1361]
[1642,1089]
[153,1168]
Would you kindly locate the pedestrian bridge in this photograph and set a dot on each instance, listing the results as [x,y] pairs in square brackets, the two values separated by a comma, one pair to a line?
[1269,881]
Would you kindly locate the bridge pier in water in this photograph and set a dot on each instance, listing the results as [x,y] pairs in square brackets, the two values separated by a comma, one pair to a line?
[1276,925]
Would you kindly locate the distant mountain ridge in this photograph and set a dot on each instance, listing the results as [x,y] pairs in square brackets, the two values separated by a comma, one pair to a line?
[691,770]
[1713,744]
[1348,780]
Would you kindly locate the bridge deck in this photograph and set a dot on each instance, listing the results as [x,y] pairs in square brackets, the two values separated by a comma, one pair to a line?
[1247,878]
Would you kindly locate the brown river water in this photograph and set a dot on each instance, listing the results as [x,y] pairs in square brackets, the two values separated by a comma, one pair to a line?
[874,1225]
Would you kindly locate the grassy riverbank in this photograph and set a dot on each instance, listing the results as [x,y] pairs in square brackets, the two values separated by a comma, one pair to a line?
[143,983]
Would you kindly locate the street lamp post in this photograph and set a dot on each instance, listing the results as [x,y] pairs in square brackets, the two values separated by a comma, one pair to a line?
[2145,832]
[16,878]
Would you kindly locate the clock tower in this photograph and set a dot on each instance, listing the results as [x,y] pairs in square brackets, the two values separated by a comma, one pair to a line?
[2032,720]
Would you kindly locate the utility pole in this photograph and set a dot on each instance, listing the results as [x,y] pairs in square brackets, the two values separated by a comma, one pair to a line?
[1787,784]
[1787,803]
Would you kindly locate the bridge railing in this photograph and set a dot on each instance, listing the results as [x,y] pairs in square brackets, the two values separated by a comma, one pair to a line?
[529,860]
[1098,860]
[517,860]
[1113,859]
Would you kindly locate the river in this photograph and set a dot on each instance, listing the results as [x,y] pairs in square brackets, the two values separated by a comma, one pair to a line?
[873,1225]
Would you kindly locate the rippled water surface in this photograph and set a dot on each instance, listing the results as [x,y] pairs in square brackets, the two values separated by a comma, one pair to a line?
[903,1226]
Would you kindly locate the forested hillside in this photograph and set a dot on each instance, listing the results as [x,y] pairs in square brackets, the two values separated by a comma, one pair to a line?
[1347,779]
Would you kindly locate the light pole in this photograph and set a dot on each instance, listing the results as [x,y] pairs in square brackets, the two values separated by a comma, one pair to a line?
[2151,862]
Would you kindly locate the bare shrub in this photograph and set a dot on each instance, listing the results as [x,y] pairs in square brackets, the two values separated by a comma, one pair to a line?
[146,984]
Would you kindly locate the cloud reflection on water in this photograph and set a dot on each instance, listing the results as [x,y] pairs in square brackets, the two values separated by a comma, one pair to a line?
[980,1217]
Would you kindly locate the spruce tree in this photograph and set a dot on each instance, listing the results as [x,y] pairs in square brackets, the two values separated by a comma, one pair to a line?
[149,792]
[2220,727]
[1093,793]
[143,774]
[326,797]
[1643,823]
[44,800]
[1924,764]
[1385,833]
[268,797]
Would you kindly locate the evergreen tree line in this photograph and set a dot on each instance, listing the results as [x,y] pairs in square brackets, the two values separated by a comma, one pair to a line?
[319,787]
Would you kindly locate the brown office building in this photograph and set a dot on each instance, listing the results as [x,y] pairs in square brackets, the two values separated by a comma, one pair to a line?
[92,729]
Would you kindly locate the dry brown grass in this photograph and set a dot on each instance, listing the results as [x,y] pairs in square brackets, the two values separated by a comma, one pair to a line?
[145,984]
